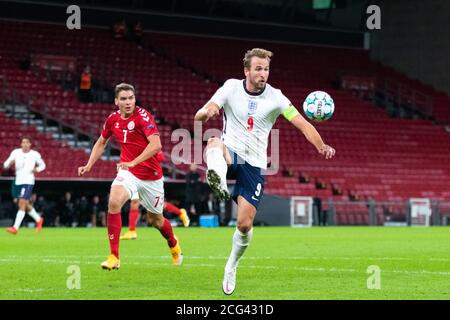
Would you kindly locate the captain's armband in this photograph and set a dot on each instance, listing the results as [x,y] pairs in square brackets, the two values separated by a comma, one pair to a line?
[290,113]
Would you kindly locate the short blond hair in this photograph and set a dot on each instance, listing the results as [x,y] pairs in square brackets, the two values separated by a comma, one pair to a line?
[256,52]
[123,87]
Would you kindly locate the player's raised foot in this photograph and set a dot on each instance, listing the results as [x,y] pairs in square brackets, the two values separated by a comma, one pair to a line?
[217,185]
[39,225]
[177,255]
[229,281]
[184,218]
[11,230]
[129,235]
[112,262]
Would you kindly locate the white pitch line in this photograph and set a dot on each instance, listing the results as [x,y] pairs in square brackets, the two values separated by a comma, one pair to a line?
[29,290]
[313,269]
[226,257]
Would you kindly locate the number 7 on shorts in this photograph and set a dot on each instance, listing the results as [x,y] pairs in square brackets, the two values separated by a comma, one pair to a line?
[157,201]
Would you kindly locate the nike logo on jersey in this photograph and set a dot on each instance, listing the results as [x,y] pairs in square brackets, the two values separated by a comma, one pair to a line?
[256,199]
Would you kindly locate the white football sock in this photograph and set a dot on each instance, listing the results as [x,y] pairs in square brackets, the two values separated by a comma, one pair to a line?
[34,215]
[19,218]
[240,243]
[216,161]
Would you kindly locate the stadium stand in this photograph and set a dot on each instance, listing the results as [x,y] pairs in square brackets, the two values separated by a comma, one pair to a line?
[367,140]
[377,157]
[59,156]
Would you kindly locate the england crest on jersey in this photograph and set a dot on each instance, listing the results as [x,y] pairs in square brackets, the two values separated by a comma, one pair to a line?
[252,105]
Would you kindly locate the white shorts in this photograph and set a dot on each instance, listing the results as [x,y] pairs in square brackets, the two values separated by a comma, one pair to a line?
[135,196]
[150,192]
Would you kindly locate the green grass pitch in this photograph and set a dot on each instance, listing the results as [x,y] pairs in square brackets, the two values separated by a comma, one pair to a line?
[281,263]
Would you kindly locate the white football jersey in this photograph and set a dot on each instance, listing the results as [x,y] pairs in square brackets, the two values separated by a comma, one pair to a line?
[25,162]
[248,118]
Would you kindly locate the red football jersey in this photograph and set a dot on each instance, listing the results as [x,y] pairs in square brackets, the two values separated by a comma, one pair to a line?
[132,135]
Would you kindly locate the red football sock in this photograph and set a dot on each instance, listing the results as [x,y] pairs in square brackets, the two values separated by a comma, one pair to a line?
[167,232]
[114,228]
[171,208]
[133,217]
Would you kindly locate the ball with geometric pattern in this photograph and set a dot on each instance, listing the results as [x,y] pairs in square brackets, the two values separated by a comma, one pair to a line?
[318,106]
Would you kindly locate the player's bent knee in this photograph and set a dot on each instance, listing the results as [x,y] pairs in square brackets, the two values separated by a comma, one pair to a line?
[157,224]
[114,205]
[155,220]
[245,226]
[22,204]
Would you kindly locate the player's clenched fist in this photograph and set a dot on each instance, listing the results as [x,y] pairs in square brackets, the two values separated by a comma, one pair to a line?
[83,170]
[124,165]
[327,151]
[209,111]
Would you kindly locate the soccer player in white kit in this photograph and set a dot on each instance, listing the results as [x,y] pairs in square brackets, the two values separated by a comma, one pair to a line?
[27,162]
[251,107]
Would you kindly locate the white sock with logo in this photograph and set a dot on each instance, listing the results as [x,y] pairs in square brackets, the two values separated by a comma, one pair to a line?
[216,161]
[34,215]
[19,218]
[240,243]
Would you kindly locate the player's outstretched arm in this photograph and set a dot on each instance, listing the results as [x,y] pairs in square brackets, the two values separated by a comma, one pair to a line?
[154,146]
[96,153]
[208,111]
[313,136]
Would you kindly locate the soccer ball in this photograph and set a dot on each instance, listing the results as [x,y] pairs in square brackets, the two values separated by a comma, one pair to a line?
[318,106]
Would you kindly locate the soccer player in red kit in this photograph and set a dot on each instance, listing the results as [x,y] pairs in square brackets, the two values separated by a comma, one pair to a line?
[139,171]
